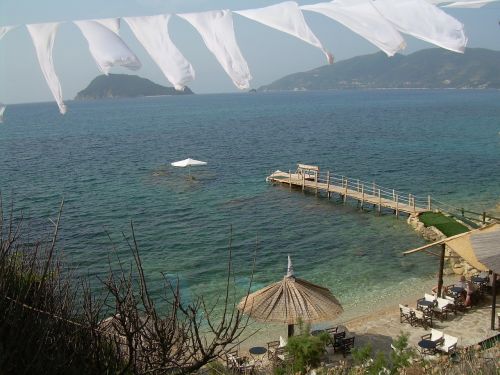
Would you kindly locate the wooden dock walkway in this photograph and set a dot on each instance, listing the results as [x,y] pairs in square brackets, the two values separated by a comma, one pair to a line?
[309,177]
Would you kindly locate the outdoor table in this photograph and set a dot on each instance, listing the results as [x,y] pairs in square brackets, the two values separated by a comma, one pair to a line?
[427,346]
[457,290]
[479,280]
[257,352]
[425,304]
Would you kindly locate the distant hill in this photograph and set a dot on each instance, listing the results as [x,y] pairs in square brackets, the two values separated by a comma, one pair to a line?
[430,68]
[125,86]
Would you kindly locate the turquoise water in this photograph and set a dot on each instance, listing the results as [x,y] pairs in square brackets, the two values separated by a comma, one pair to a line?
[110,162]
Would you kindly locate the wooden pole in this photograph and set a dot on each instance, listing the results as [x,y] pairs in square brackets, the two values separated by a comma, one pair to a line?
[316,174]
[393,195]
[494,301]
[397,206]
[345,192]
[373,189]
[362,194]
[328,184]
[484,217]
[429,207]
[441,267]
[379,202]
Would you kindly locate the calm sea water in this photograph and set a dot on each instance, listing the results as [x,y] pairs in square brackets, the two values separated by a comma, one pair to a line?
[110,162]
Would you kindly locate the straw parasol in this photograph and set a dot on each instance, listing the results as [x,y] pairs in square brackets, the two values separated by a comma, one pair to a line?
[291,300]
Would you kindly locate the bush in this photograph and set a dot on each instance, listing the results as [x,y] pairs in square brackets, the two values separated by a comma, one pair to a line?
[305,351]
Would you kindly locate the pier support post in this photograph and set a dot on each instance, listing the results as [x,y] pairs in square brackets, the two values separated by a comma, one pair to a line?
[362,195]
[345,192]
[328,184]
[379,202]
[316,183]
[441,267]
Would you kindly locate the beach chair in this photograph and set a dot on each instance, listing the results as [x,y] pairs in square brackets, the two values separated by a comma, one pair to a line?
[426,303]
[441,309]
[405,315]
[238,364]
[336,340]
[346,345]
[422,318]
[271,348]
[448,345]
[435,335]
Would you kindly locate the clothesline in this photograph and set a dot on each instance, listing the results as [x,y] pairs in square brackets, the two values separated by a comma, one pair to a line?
[381,22]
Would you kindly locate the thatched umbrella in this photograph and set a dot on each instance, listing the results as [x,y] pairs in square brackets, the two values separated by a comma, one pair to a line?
[291,300]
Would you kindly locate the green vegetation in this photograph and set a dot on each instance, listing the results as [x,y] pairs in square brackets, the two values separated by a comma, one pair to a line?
[125,86]
[430,68]
[446,224]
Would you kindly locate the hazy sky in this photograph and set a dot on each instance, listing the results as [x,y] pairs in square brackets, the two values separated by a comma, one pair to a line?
[270,54]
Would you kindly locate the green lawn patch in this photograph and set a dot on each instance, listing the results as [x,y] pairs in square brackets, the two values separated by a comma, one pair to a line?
[447,225]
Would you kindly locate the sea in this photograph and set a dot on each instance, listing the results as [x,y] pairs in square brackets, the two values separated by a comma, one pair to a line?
[110,162]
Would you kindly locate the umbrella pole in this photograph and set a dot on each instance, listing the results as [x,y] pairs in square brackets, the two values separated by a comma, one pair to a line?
[494,302]
[290,330]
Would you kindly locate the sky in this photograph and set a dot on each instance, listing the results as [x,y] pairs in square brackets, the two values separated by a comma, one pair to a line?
[270,54]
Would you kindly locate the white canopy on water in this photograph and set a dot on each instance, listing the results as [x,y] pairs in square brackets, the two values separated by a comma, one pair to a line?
[187,163]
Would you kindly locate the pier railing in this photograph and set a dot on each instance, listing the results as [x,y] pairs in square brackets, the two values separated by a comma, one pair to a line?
[373,189]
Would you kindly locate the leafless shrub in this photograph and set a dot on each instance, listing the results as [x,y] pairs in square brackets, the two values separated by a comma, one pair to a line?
[53,322]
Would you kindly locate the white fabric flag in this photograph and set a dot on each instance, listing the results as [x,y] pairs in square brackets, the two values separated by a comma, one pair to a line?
[106,47]
[43,35]
[216,29]
[288,18]
[468,4]
[111,23]
[361,17]
[152,33]
[424,21]
[4,30]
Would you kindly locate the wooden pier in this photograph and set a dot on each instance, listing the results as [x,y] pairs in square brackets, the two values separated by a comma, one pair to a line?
[309,177]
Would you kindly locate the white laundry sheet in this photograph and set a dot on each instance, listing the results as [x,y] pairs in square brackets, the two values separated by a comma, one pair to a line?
[152,33]
[288,18]
[106,47]
[361,17]
[43,36]
[425,21]
[217,30]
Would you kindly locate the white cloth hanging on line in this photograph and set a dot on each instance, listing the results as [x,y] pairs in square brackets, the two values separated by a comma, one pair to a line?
[288,18]
[106,47]
[152,33]
[361,17]
[43,35]
[111,23]
[217,30]
[4,30]
[468,4]
[424,21]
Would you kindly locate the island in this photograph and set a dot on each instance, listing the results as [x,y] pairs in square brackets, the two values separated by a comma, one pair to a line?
[432,68]
[125,86]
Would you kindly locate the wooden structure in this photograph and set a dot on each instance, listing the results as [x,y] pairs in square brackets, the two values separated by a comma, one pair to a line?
[309,177]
